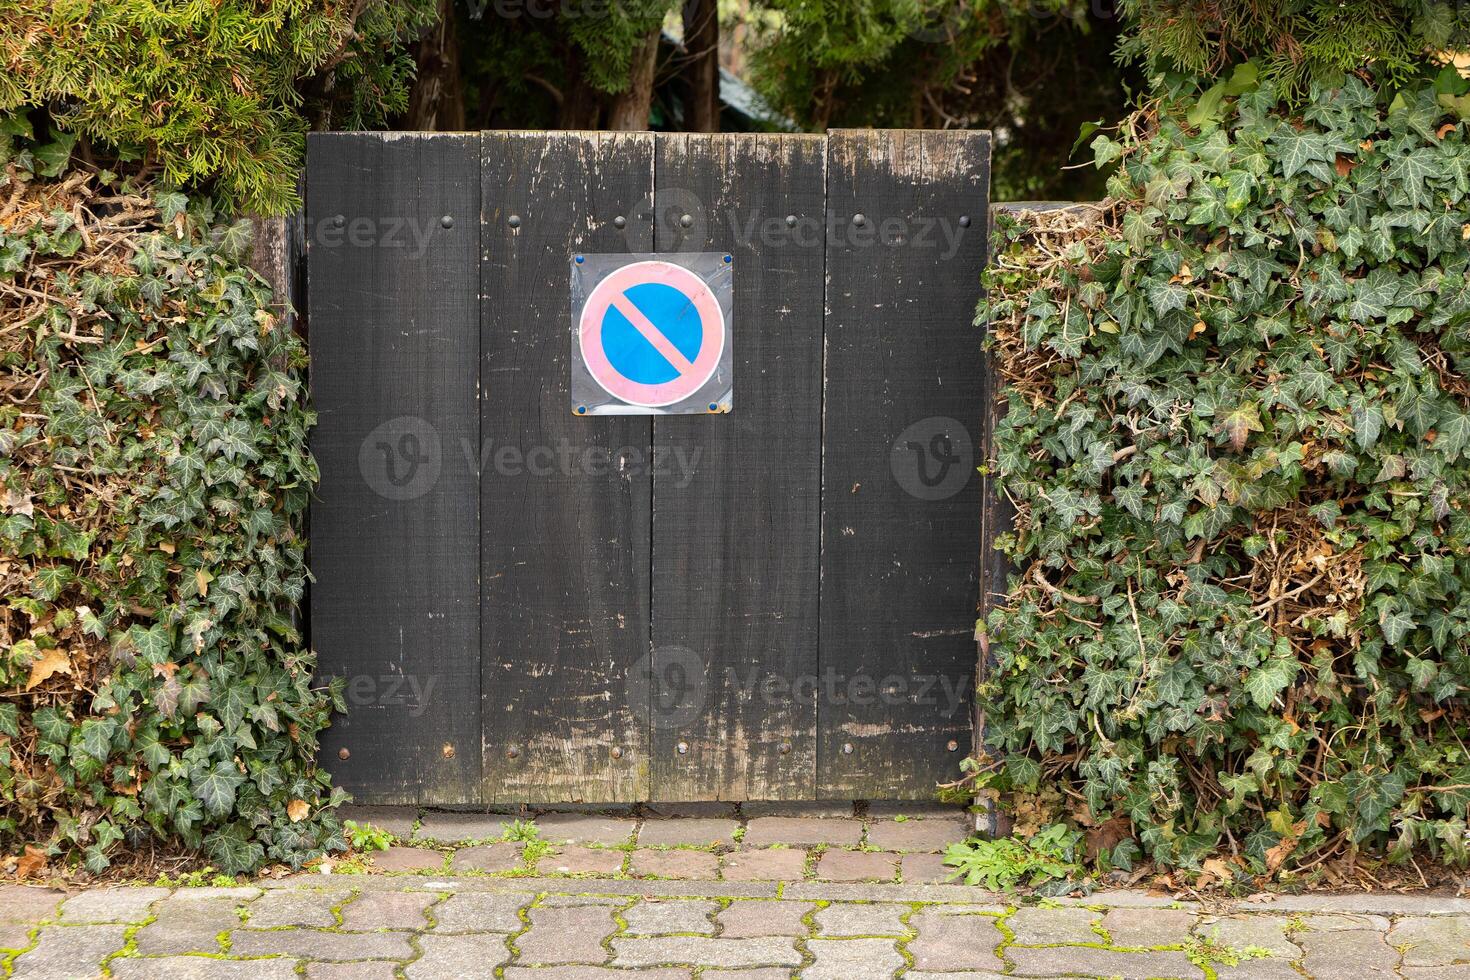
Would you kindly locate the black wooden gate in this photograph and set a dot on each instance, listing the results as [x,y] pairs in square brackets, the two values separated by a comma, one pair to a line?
[775,603]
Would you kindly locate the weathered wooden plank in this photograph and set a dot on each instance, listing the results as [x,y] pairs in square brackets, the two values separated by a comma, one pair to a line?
[901,503]
[394,322]
[736,496]
[566,500]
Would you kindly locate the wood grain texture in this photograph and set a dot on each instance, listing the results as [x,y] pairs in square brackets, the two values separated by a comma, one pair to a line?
[903,366]
[567,508]
[736,509]
[395,525]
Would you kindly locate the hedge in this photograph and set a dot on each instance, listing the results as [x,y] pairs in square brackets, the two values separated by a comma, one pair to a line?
[1238,440]
[153,477]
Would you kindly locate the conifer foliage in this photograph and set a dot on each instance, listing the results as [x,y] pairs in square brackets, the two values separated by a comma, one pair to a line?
[217,91]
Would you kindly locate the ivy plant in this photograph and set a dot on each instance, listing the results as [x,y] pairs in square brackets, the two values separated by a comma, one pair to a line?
[153,479]
[1237,435]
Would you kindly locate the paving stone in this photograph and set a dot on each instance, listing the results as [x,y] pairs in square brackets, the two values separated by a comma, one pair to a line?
[759,973]
[1427,973]
[408,859]
[603,973]
[777,864]
[924,869]
[1257,969]
[1382,903]
[1342,923]
[577,901]
[574,828]
[373,911]
[1125,899]
[698,810]
[860,919]
[823,809]
[698,951]
[653,918]
[1431,940]
[763,918]
[453,957]
[843,959]
[296,907]
[189,920]
[110,905]
[67,952]
[801,831]
[318,945]
[15,935]
[955,942]
[705,832]
[675,864]
[501,856]
[1266,932]
[202,968]
[365,970]
[932,835]
[567,935]
[1045,927]
[967,975]
[572,860]
[396,820]
[1058,960]
[452,828]
[1147,927]
[1347,954]
[24,904]
[919,809]
[856,866]
[480,912]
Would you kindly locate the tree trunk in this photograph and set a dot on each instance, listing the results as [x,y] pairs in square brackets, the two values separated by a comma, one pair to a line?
[436,102]
[702,68]
[580,104]
[630,108]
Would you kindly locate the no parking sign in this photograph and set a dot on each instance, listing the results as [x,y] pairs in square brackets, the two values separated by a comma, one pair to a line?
[651,333]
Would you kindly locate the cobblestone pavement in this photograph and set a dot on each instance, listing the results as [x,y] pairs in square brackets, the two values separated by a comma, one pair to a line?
[708,897]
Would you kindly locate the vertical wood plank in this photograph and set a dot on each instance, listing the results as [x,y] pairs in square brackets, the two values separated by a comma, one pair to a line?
[736,496]
[394,322]
[900,557]
[566,500]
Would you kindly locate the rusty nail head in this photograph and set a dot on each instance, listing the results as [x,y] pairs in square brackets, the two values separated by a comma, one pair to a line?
[344,754]
[953,745]
[785,748]
[847,748]
[513,753]
[448,751]
[617,753]
[682,747]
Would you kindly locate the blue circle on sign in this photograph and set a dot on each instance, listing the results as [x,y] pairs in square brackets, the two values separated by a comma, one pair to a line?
[672,313]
